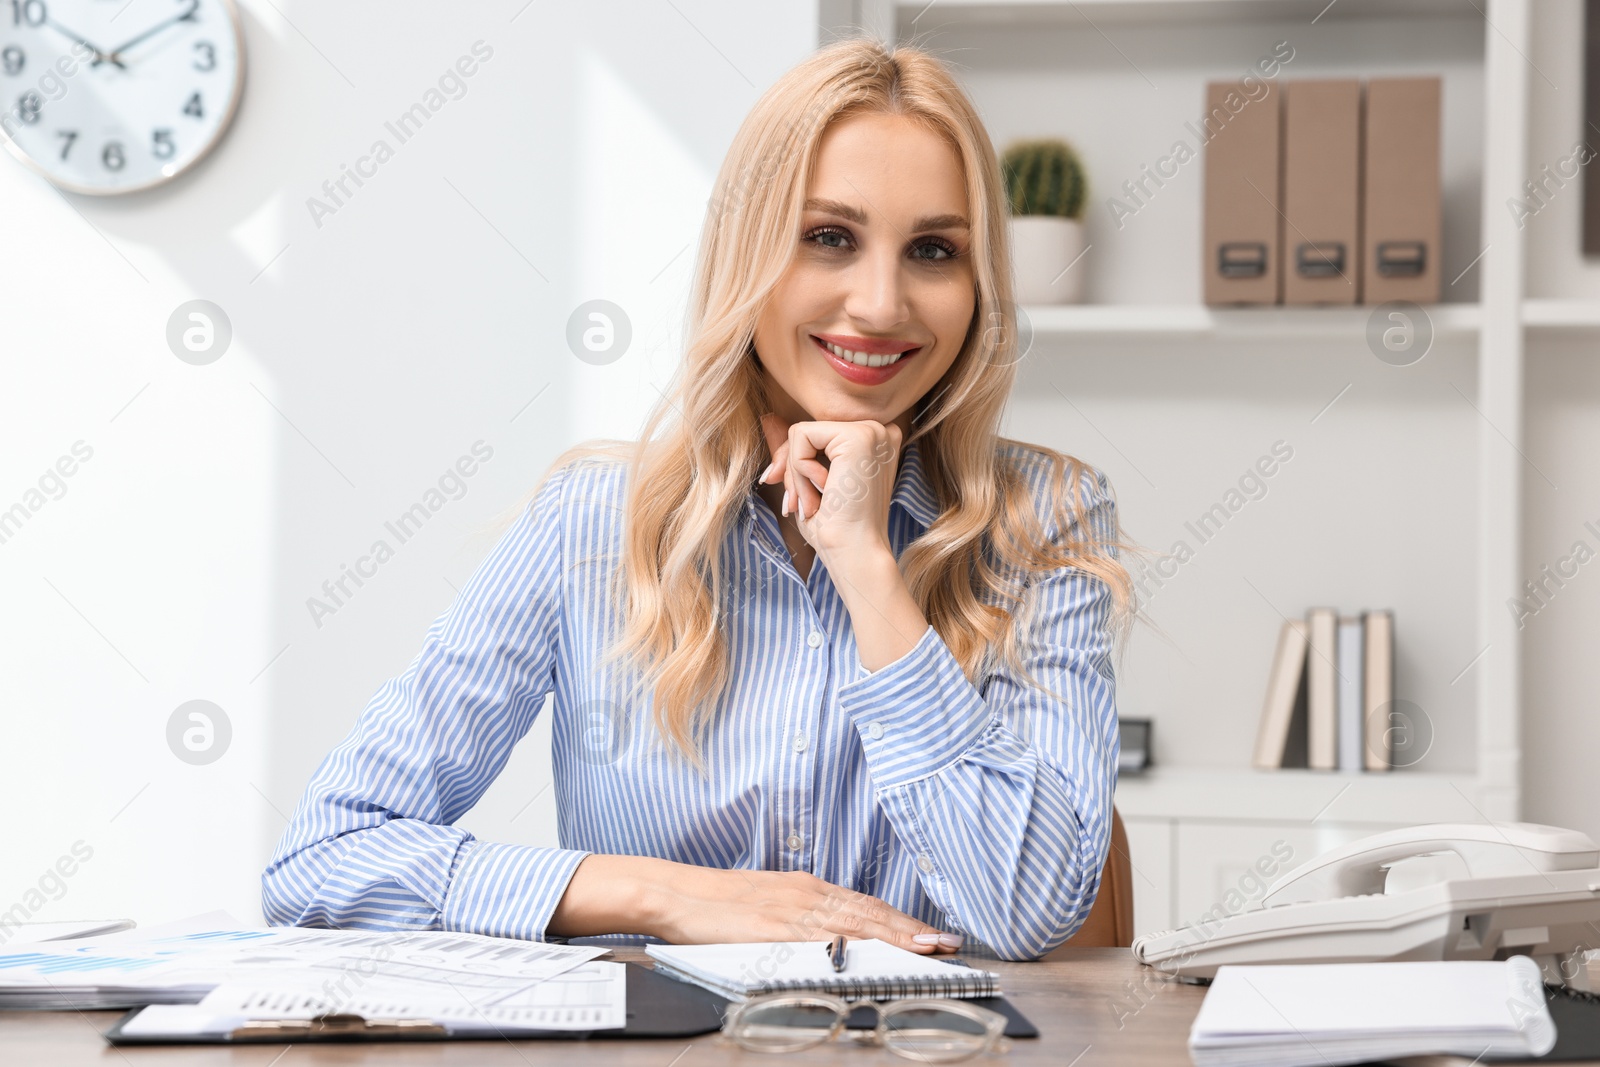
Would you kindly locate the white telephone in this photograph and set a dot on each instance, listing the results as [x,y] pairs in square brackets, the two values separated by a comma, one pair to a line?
[1455,891]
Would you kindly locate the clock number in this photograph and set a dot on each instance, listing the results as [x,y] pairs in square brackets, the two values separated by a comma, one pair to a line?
[161,145]
[71,136]
[29,106]
[111,155]
[193,107]
[13,59]
[29,12]
[207,60]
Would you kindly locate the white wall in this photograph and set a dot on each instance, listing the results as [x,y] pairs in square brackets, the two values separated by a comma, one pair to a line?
[371,353]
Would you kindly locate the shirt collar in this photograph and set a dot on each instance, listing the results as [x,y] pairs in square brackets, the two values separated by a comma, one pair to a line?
[911,489]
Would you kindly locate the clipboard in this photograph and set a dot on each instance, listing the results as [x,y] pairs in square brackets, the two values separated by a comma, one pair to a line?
[657,1006]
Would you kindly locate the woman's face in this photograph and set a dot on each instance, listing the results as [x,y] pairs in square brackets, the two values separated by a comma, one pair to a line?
[883,269]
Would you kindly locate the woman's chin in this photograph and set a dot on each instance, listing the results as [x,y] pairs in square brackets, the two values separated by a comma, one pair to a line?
[845,409]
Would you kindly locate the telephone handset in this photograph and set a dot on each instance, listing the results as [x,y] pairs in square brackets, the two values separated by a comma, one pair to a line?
[1436,892]
[1441,851]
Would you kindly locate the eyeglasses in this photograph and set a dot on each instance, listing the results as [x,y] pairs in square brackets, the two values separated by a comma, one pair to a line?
[924,1029]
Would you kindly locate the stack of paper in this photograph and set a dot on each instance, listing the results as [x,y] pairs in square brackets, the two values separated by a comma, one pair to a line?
[1316,1015]
[28,933]
[181,963]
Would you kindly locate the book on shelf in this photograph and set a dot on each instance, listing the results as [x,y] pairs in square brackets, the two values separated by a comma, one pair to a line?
[1322,689]
[1329,694]
[1285,698]
[1350,726]
[1378,689]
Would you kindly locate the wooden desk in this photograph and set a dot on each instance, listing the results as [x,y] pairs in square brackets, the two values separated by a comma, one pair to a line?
[1092,1006]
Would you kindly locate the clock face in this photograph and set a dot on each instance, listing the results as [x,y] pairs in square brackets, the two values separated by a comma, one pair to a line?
[111,96]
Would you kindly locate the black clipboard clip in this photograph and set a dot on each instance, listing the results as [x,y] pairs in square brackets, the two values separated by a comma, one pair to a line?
[335,1025]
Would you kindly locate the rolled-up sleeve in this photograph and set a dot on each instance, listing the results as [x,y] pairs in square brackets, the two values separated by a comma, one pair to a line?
[1005,794]
[371,844]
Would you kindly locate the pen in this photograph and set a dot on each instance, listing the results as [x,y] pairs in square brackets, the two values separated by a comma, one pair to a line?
[836,952]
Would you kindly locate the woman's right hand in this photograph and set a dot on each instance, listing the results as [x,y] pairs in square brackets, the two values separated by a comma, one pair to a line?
[704,904]
[684,904]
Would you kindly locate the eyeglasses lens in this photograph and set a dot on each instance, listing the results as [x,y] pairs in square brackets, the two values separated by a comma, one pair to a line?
[934,1035]
[783,1027]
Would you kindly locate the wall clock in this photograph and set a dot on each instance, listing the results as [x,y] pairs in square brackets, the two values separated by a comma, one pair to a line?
[103,97]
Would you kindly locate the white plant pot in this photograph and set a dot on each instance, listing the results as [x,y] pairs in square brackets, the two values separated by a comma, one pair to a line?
[1044,258]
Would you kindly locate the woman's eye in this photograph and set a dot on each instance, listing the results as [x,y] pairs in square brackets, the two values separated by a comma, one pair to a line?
[818,237]
[939,246]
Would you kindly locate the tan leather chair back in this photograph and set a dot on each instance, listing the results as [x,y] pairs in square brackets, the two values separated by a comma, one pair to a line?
[1110,921]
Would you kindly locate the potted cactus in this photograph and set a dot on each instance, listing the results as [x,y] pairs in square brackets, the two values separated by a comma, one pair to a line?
[1046,189]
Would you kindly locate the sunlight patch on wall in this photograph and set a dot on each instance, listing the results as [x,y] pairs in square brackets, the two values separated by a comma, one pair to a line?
[641,199]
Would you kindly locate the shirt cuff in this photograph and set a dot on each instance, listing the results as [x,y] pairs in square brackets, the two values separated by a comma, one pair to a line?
[507,890]
[917,714]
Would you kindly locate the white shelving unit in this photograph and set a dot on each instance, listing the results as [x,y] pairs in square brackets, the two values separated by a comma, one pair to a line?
[1197,831]
[1194,320]
[1561,314]
[1134,12]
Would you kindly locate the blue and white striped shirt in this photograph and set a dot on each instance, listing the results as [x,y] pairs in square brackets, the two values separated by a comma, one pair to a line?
[983,810]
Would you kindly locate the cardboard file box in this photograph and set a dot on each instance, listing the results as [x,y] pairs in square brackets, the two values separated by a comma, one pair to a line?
[1321,191]
[1400,227]
[1242,196]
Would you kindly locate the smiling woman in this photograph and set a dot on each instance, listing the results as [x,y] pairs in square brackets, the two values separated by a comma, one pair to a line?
[849,650]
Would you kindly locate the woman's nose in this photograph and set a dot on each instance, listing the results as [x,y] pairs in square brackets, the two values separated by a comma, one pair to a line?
[877,297]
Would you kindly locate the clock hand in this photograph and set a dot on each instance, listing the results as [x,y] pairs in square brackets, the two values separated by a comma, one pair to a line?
[187,16]
[99,56]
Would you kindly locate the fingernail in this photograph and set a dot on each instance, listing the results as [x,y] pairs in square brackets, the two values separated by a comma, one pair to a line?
[765,473]
[950,940]
[786,494]
[926,939]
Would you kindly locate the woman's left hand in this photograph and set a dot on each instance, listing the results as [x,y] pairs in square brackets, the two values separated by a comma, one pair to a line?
[842,503]
[843,512]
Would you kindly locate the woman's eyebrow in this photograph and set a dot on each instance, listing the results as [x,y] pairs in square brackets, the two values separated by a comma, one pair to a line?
[859,217]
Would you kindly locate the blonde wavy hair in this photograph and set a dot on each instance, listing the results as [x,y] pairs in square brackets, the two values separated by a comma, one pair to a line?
[702,446]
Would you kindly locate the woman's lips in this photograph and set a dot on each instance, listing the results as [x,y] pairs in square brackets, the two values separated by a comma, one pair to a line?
[855,372]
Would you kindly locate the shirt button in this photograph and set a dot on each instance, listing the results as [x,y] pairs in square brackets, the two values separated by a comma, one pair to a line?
[814,639]
[794,842]
[800,743]
[875,731]
[925,863]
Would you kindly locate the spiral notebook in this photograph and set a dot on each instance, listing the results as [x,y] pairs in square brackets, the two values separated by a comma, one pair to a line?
[874,970]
